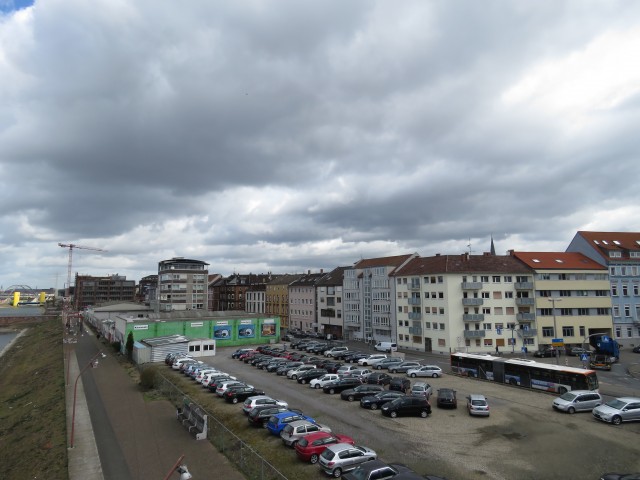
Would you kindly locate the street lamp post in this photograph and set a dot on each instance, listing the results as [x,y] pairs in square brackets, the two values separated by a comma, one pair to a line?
[555,325]
[92,363]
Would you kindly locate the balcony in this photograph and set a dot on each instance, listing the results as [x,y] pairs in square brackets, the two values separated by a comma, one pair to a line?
[474,333]
[415,316]
[526,317]
[415,331]
[414,301]
[413,286]
[472,302]
[523,285]
[471,285]
[525,301]
[473,317]
[528,333]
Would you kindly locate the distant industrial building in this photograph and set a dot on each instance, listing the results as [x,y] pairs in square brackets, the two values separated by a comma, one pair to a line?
[90,290]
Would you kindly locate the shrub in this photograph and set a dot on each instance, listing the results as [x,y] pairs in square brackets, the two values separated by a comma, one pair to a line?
[148,377]
[116,346]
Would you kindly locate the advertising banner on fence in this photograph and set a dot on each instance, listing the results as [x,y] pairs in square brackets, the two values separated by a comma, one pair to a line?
[247,329]
[268,327]
[222,331]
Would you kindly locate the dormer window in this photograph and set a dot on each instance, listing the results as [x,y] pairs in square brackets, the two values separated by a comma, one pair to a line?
[615,254]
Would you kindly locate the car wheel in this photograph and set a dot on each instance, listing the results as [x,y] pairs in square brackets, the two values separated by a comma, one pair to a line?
[264,425]
[303,381]
[616,420]
[374,406]
[234,400]
[435,375]
[393,414]
[413,375]
[314,458]
[294,377]
[424,414]
[337,473]
[350,398]
[394,371]
[571,410]
[332,391]
[317,386]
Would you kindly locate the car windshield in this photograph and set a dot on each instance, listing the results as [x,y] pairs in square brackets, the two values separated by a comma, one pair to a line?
[617,404]
[302,442]
[569,396]
[328,454]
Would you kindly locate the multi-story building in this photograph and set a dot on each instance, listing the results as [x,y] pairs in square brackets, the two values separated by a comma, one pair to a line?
[212,299]
[476,303]
[329,293]
[182,285]
[229,293]
[302,302]
[147,288]
[572,298]
[620,253]
[367,298]
[91,291]
[277,298]
[255,298]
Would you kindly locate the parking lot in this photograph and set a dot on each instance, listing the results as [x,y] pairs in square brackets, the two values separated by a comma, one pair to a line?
[523,438]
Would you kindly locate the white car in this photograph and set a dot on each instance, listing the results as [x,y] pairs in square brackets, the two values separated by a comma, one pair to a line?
[207,378]
[371,359]
[224,386]
[324,380]
[425,371]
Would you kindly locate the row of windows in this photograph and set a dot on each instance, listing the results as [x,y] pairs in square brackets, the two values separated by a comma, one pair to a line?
[626,310]
[624,270]
[635,288]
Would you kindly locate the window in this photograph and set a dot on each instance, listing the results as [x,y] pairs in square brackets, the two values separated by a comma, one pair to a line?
[499,326]
[544,293]
[567,331]
[486,326]
[440,279]
[488,342]
[507,279]
[627,310]
[427,325]
[497,311]
[629,332]
[565,312]
[485,295]
[582,331]
[565,293]
[442,326]
[625,289]
[497,295]
[545,312]
[508,294]
[496,279]
[484,278]
[602,311]
[636,289]
[441,295]
[615,254]
[547,332]
[583,311]
[486,310]
[616,310]
[614,290]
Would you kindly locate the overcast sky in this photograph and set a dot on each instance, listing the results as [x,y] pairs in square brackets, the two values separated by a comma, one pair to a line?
[288,136]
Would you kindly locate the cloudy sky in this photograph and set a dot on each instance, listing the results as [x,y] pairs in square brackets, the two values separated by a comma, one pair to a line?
[295,135]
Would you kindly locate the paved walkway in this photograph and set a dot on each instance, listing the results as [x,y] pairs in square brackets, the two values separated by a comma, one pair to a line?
[149,440]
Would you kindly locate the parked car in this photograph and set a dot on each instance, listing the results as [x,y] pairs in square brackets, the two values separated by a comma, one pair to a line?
[544,352]
[360,373]
[283,369]
[346,369]
[636,349]
[310,447]
[446,398]
[320,382]
[341,384]
[335,351]
[379,378]
[294,372]
[278,421]
[276,364]
[241,351]
[343,457]
[222,387]
[577,401]
[235,394]
[387,362]
[403,367]
[354,356]
[477,405]
[618,410]
[421,389]
[360,391]
[259,416]
[400,384]
[333,366]
[306,377]
[377,470]
[425,371]
[371,359]
[407,406]
[258,400]
[294,431]
[577,351]
[373,402]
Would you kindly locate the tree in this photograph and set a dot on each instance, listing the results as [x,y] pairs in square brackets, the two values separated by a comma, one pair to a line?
[129,345]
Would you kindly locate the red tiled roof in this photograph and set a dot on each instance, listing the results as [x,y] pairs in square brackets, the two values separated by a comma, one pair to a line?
[394,261]
[558,261]
[603,242]
[462,264]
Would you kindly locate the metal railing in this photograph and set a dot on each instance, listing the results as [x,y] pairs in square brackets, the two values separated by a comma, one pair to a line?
[248,461]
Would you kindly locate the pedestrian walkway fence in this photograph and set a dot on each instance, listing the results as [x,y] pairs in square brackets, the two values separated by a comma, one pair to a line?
[248,461]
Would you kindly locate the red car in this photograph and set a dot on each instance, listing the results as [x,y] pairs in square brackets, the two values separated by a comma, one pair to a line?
[311,446]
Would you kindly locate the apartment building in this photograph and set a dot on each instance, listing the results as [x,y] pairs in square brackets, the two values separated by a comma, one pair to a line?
[182,285]
[93,291]
[329,308]
[572,298]
[620,253]
[277,297]
[303,313]
[475,303]
[367,298]
[229,293]
[255,298]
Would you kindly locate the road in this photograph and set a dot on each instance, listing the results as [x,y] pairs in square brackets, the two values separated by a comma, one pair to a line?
[523,438]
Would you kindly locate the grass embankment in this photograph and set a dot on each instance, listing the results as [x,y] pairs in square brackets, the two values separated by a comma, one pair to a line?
[32,405]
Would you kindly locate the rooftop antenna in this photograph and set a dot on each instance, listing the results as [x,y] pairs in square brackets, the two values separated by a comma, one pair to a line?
[469,246]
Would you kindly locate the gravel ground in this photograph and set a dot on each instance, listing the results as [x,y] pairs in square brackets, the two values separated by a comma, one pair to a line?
[524,438]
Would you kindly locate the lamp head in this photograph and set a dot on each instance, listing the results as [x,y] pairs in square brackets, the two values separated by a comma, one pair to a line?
[184,472]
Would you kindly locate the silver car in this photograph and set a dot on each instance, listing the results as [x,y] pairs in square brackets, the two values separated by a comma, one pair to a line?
[425,371]
[343,457]
[294,431]
[577,401]
[623,409]
[403,367]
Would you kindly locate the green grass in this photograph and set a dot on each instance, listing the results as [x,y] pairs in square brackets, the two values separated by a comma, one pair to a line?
[32,405]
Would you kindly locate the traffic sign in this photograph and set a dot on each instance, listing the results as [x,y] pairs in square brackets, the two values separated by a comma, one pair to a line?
[557,342]
[584,357]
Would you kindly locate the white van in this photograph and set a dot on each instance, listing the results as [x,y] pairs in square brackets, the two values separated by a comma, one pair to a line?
[386,347]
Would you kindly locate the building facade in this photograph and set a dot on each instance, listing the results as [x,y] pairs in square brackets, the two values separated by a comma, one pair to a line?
[367,299]
[620,253]
[303,302]
[182,285]
[277,298]
[572,299]
[229,293]
[91,291]
[329,307]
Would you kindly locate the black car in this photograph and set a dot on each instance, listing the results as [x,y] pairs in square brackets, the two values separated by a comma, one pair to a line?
[447,398]
[259,416]
[240,393]
[374,401]
[377,469]
[342,384]
[332,366]
[273,366]
[360,391]
[355,357]
[636,349]
[400,384]
[215,381]
[545,352]
[378,378]
[306,377]
[283,369]
[407,406]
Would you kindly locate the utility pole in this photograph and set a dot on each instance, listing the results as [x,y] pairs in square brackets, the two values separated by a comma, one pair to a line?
[555,325]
